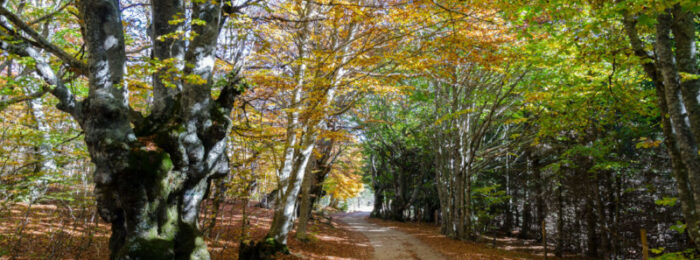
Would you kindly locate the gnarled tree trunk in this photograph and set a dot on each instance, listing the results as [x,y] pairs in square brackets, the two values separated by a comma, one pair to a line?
[151,173]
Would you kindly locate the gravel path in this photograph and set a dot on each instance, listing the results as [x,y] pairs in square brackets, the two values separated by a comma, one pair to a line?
[389,243]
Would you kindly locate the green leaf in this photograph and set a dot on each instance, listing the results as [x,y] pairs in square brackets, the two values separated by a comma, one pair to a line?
[658,250]
[679,227]
[646,20]
[666,201]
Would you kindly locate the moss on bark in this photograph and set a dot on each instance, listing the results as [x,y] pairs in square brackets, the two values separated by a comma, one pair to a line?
[147,248]
[265,249]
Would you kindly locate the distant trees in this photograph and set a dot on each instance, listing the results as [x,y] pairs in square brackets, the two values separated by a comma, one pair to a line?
[468,108]
[400,171]
[672,66]
[575,141]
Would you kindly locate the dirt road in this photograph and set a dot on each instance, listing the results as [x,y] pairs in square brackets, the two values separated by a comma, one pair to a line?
[389,243]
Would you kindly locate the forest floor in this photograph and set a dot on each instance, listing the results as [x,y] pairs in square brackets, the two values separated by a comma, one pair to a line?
[67,231]
[429,234]
[61,231]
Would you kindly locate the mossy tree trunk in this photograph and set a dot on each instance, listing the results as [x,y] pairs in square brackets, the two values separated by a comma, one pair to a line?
[151,173]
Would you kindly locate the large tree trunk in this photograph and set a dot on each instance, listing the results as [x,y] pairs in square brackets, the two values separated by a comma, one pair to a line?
[676,97]
[296,155]
[286,202]
[151,179]
[378,197]
[683,27]
[150,173]
[291,175]
[290,181]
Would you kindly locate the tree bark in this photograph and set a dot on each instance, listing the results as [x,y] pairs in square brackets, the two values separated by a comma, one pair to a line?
[559,251]
[286,202]
[305,207]
[540,205]
[680,137]
[151,173]
[312,185]
[527,218]
[592,238]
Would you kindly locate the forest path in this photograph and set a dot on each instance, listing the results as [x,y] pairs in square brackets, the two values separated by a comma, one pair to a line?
[389,243]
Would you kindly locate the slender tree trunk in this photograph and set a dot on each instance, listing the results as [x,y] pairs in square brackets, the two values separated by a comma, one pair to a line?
[527,196]
[592,238]
[527,219]
[559,251]
[508,212]
[467,233]
[286,202]
[516,212]
[305,207]
[540,205]
[45,164]
[600,212]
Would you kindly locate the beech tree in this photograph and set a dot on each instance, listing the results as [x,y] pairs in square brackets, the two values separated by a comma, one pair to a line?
[577,148]
[673,68]
[151,171]
[578,119]
[319,64]
[661,39]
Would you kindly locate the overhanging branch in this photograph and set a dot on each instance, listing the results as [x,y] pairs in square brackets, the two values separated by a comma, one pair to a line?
[66,99]
[41,42]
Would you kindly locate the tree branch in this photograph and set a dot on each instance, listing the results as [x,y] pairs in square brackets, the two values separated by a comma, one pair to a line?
[630,24]
[229,9]
[234,87]
[47,16]
[5,103]
[42,43]
[64,95]
[167,48]
[201,51]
